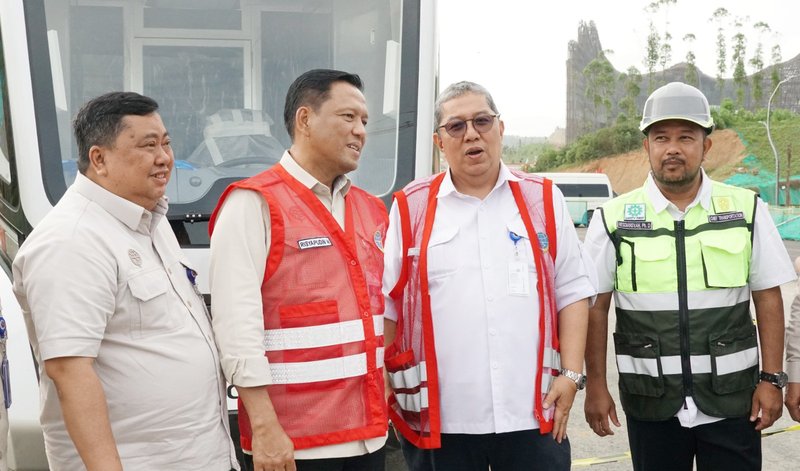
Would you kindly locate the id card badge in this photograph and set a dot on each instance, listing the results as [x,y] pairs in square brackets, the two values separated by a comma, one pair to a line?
[6,379]
[518,278]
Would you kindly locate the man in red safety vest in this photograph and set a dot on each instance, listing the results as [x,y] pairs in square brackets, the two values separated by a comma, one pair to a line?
[296,263]
[486,311]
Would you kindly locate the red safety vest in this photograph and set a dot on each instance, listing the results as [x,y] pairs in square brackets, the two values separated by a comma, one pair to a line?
[323,323]
[411,358]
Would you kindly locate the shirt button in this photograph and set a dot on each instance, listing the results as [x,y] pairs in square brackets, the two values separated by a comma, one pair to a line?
[169,270]
[490,298]
[189,304]
[492,332]
[495,365]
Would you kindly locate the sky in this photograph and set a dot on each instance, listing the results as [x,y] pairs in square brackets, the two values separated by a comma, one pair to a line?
[517,49]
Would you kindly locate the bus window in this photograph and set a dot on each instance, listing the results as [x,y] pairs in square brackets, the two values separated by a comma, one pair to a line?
[7,190]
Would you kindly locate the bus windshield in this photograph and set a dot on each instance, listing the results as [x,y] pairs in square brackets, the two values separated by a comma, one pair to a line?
[219,70]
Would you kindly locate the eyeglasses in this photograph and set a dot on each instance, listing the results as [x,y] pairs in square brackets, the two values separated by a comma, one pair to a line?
[458,127]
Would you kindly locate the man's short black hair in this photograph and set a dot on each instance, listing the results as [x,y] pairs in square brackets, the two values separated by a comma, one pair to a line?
[99,121]
[312,89]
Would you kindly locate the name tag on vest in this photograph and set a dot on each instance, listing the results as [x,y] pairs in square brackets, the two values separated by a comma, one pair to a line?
[726,217]
[635,225]
[313,243]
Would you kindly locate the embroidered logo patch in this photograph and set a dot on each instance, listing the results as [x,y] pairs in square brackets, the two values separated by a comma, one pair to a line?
[378,239]
[735,216]
[722,204]
[635,225]
[313,243]
[135,257]
[634,212]
[544,242]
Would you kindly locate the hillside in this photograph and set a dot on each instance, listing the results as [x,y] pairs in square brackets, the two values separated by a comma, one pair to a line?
[628,171]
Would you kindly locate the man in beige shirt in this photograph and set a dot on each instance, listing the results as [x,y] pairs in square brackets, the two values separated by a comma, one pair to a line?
[130,376]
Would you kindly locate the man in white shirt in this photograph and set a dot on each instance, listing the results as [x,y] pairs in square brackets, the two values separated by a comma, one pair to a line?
[793,355]
[682,256]
[296,268]
[485,282]
[129,371]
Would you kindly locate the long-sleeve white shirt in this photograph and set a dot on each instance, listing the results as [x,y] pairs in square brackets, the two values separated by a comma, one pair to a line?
[486,338]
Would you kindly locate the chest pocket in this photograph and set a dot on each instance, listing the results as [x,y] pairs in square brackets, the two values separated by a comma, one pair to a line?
[152,314]
[652,266]
[444,254]
[725,260]
[372,264]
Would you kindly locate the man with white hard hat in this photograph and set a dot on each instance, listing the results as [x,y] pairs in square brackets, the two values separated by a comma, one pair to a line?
[683,255]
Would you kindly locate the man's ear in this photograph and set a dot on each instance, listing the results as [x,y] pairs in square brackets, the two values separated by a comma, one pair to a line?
[302,117]
[97,160]
[437,141]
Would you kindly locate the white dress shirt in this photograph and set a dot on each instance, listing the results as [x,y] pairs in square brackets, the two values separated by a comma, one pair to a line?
[486,338]
[770,265]
[239,249]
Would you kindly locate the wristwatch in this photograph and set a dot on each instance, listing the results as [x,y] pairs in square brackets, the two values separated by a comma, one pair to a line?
[580,379]
[779,379]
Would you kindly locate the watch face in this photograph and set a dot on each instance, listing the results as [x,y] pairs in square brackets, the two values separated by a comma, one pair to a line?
[783,379]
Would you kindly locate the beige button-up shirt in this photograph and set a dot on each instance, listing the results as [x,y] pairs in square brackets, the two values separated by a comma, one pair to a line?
[102,277]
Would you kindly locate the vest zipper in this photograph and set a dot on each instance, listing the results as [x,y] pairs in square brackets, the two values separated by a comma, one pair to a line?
[683,308]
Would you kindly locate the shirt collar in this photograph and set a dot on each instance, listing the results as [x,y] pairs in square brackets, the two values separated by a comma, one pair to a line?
[340,183]
[129,213]
[660,202]
[447,187]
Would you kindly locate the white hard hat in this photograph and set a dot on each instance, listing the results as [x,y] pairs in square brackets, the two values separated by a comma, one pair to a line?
[677,100]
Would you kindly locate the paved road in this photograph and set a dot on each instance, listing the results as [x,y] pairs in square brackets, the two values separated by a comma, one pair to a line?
[781,451]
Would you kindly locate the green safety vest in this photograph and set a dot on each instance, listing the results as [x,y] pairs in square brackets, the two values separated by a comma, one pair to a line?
[683,304]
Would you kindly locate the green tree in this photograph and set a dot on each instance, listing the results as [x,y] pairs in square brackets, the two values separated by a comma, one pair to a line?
[738,51]
[775,76]
[631,86]
[718,17]
[690,76]
[651,56]
[757,62]
[600,80]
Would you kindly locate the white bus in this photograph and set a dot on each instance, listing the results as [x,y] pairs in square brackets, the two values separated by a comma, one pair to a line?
[584,193]
[220,70]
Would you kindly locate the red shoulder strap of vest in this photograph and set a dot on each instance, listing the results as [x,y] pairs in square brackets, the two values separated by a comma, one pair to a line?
[405,228]
[549,216]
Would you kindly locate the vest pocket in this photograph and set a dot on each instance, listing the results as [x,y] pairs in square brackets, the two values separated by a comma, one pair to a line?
[444,256]
[725,261]
[638,364]
[734,360]
[653,268]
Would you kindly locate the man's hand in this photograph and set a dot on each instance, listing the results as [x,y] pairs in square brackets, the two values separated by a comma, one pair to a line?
[599,407]
[562,393]
[768,399]
[272,449]
[793,400]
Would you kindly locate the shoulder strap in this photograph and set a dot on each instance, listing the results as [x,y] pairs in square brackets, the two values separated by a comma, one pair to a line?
[549,215]
[405,227]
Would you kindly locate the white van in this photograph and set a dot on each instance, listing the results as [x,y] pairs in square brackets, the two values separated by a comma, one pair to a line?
[584,193]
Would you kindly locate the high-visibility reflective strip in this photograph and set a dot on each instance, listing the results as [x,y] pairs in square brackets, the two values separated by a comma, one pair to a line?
[639,366]
[409,378]
[738,361]
[413,402]
[671,364]
[669,301]
[323,370]
[319,335]
[552,359]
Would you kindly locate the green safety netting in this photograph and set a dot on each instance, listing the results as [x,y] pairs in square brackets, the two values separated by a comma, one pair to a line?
[786,217]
